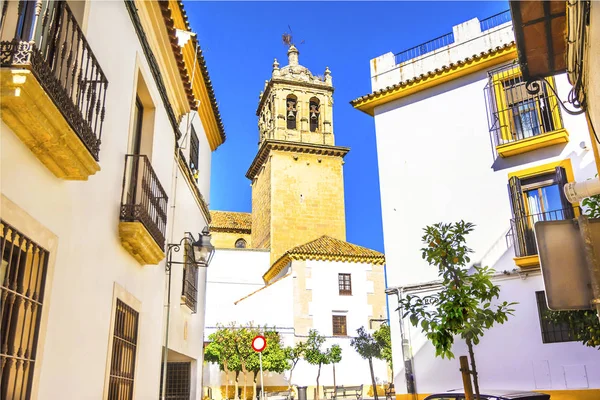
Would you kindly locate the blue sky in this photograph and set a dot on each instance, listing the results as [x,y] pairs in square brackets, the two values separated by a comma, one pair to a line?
[239,41]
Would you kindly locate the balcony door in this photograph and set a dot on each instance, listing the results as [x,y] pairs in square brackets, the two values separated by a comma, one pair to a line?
[533,199]
[136,144]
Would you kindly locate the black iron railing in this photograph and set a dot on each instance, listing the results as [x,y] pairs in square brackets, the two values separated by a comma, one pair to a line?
[495,20]
[514,114]
[425,48]
[522,234]
[49,41]
[144,199]
[189,291]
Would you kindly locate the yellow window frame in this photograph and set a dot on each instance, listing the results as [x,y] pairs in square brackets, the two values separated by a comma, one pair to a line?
[505,113]
[543,170]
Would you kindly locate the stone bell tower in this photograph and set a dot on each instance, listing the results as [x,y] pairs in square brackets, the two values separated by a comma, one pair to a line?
[297,174]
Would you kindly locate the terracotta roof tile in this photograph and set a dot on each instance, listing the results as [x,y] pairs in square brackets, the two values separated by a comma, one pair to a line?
[328,249]
[185,75]
[230,221]
[328,246]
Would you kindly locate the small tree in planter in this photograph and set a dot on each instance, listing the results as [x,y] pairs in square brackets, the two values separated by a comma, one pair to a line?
[463,306]
[221,351]
[384,339]
[274,357]
[368,348]
[315,355]
[334,354]
[294,354]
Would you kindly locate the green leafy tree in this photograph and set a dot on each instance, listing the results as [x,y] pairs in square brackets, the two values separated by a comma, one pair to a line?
[463,306]
[315,354]
[584,324]
[384,338]
[294,354]
[221,351]
[334,354]
[368,348]
[274,357]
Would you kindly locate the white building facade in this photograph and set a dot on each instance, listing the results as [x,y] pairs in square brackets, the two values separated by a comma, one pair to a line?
[460,138]
[106,158]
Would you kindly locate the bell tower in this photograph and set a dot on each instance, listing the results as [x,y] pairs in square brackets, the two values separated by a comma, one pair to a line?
[297,174]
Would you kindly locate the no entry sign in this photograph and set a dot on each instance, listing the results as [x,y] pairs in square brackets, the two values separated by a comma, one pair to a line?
[259,343]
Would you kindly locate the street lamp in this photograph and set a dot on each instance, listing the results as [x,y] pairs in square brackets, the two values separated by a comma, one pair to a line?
[203,251]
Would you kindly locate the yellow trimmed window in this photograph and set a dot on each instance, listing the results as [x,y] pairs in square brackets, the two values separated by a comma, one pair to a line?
[521,121]
[536,194]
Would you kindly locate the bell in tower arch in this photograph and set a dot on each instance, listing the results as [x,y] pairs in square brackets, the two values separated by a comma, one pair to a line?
[291,112]
[314,114]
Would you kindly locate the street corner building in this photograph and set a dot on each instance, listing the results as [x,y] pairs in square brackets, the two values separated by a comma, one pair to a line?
[107,137]
[453,118]
[287,264]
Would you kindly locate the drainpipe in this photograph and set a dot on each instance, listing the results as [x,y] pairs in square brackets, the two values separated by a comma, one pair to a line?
[406,356]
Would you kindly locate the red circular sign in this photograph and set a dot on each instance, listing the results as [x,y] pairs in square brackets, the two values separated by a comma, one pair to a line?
[259,343]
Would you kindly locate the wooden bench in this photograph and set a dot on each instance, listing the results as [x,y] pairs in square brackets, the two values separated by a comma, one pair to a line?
[343,391]
[286,394]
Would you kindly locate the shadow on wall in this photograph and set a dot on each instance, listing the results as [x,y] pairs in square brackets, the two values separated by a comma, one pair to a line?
[534,156]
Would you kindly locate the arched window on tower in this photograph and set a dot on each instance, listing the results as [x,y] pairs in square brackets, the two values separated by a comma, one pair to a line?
[291,112]
[314,114]
[240,244]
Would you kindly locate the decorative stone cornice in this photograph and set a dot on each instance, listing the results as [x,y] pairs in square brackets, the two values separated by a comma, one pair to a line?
[282,145]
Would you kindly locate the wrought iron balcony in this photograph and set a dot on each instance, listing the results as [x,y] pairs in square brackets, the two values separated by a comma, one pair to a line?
[522,234]
[143,211]
[53,86]
[448,39]
[521,119]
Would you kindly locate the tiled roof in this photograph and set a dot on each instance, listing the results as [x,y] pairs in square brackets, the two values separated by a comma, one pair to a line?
[185,75]
[329,249]
[430,74]
[230,221]
[326,246]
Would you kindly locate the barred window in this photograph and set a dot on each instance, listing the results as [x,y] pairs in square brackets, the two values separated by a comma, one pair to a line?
[551,332]
[189,291]
[122,365]
[194,151]
[22,282]
[345,284]
[339,325]
[178,381]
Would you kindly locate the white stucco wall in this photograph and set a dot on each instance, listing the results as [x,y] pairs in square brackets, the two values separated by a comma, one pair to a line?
[90,259]
[436,164]
[509,356]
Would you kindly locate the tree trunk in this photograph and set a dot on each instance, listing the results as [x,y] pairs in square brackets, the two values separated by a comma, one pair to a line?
[254,392]
[291,372]
[226,380]
[237,376]
[318,376]
[473,368]
[373,379]
[334,382]
[245,385]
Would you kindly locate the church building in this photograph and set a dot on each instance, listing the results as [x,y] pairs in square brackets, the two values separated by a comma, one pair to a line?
[287,264]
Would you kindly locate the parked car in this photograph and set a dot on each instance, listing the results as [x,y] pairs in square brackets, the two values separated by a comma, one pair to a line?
[459,394]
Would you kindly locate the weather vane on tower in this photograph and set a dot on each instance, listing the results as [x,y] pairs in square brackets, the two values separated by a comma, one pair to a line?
[288,38]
